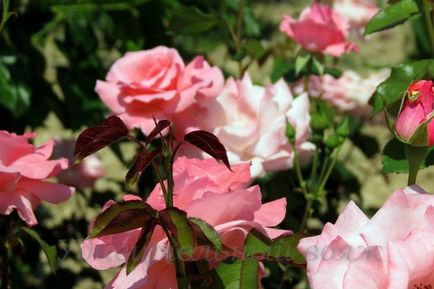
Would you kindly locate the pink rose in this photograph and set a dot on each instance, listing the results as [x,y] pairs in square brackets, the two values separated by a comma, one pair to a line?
[250,121]
[199,186]
[350,92]
[392,250]
[417,109]
[80,175]
[359,12]
[156,83]
[320,29]
[23,170]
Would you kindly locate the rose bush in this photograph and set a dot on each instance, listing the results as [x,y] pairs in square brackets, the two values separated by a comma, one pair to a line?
[393,249]
[199,185]
[250,120]
[319,29]
[156,83]
[24,170]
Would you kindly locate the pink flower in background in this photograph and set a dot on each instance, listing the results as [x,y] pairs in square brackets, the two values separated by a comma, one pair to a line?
[156,83]
[350,92]
[80,175]
[417,109]
[250,121]
[319,29]
[204,189]
[358,12]
[24,169]
[392,250]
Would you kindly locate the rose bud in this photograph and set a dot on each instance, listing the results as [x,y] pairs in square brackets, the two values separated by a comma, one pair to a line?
[414,124]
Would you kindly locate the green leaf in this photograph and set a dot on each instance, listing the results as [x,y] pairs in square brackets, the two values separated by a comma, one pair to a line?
[121,217]
[177,224]
[14,97]
[49,250]
[392,15]
[190,20]
[237,274]
[301,61]
[280,67]
[395,160]
[343,128]
[254,48]
[205,232]
[286,247]
[140,247]
[393,89]
[256,243]
[318,67]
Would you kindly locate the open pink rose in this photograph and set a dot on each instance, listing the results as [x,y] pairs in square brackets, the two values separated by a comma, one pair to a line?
[23,170]
[156,83]
[359,12]
[392,250]
[320,29]
[350,92]
[80,175]
[417,109]
[250,121]
[204,189]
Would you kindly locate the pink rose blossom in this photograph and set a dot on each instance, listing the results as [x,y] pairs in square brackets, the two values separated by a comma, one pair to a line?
[80,175]
[204,189]
[350,92]
[250,121]
[156,83]
[417,108]
[359,12]
[392,250]
[320,29]
[23,170]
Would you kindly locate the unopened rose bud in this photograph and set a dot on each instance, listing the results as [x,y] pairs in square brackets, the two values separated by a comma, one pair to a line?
[414,124]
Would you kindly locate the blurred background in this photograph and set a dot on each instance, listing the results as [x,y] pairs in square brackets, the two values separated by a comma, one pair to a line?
[53,51]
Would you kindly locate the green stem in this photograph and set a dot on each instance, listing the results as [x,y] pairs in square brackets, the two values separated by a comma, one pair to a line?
[307,214]
[181,275]
[5,14]
[168,201]
[239,33]
[415,156]
[297,167]
[328,172]
[428,22]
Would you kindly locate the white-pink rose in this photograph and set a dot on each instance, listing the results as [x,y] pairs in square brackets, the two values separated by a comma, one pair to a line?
[350,92]
[250,121]
[359,12]
[392,250]
[156,83]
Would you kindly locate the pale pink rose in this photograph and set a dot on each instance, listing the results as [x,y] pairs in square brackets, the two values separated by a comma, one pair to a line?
[81,175]
[359,12]
[24,169]
[156,83]
[204,189]
[320,29]
[349,93]
[250,121]
[392,250]
[417,109]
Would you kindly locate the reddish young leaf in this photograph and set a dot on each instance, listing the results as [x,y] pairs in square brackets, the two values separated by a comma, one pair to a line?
[140,247]
[159,127]
[121,217]
[209,143]
[95,138]
[143,160]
